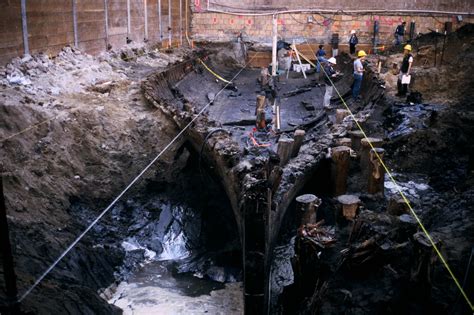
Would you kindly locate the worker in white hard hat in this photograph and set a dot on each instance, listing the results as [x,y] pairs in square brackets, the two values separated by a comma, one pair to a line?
[404,77]
[353,41]
[358,74]
[330,76]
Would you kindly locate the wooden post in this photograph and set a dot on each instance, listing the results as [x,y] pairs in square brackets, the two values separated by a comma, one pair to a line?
[264,78]
[6,253]
[341,114]
[260,122]
[425,257]
[397,206]
[350,205]
[274,44]
[309,204]
[343,142]
[277,115]
[298,137]
[340,169]
[260,103]
[364,152]
[407,226]
[285,147]
[356,136]
[376,172]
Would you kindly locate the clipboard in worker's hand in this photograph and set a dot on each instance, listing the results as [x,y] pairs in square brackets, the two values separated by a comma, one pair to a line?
[406,79]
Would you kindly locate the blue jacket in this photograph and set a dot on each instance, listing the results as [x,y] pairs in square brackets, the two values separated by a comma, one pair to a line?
[400,30]
[353,40]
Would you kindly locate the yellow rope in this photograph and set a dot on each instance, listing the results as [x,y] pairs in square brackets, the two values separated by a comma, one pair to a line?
[29,128]
[438,252]
[212,72]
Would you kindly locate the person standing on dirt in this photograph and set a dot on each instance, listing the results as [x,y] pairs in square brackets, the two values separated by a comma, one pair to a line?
[405,69]
[399,33]
[330,75]
[353,41]
[320,55]
[358,74]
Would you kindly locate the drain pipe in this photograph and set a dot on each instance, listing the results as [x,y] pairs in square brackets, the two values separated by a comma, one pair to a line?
[315,10]
[24,25]
[74,22]
[6,250]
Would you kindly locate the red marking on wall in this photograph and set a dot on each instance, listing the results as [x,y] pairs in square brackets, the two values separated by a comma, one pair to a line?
[240,16]
[249,22]
[197,5]
[231,21]
[281,22]
[214,20]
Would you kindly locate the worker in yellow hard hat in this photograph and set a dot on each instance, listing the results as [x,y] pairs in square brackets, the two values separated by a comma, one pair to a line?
[358,74]
[404,77]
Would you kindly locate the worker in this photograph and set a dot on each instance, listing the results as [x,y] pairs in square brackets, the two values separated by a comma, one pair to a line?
[330,77]
[353,41]
[320,56]
[358,74]
[399,33]
[405,69]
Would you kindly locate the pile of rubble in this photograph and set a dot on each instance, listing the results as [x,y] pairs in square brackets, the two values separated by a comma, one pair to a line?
[318,234]
[73,71]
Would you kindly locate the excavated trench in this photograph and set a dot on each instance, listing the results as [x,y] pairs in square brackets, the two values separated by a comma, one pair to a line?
[177,236]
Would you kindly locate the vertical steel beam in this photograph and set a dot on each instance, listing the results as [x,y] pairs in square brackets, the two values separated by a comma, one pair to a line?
[106,13]
[160,24]
[181,22]
[24,25]
[128,20]
[146,19]
[74,22]
[170,29]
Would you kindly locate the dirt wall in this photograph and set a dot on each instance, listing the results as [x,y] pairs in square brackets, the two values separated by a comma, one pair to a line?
[50,24]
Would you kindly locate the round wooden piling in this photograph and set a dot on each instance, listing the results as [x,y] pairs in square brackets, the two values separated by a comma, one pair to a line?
[298,138]
[344,142]
[285,147]
[339,169]
[309,204]
[356,136]
[341,114]
[350,205]
[364,152]
[376,172]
